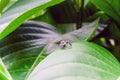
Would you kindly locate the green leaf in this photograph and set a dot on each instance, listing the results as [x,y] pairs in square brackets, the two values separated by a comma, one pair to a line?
[47,17]
[4,74]
[23,46]
[84,61]
[77,3]
[21,11]
[20,49]
[85,33]
[3,4]
[115,4]
[11,3]
[108,8]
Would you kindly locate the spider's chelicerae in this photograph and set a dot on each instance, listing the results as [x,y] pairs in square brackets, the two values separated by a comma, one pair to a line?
[65,43]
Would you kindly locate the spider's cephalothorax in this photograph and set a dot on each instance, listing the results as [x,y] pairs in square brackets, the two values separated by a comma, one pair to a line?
[65,43]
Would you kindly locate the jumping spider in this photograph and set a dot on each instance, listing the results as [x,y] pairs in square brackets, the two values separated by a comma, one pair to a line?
[65,43]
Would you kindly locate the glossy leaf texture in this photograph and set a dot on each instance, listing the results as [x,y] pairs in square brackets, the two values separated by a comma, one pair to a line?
[3,4]
[115,4]
[20,49]
[4,74]
[111,10]
[11,3]
[84,61]
[21,11]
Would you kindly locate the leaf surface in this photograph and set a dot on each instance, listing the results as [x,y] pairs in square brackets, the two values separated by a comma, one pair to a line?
[108,7]
[4,74]
[3,4]
[84,61]
[20,49]
[19,12]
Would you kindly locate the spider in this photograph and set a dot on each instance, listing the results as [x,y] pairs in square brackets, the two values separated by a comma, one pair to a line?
[65,43]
